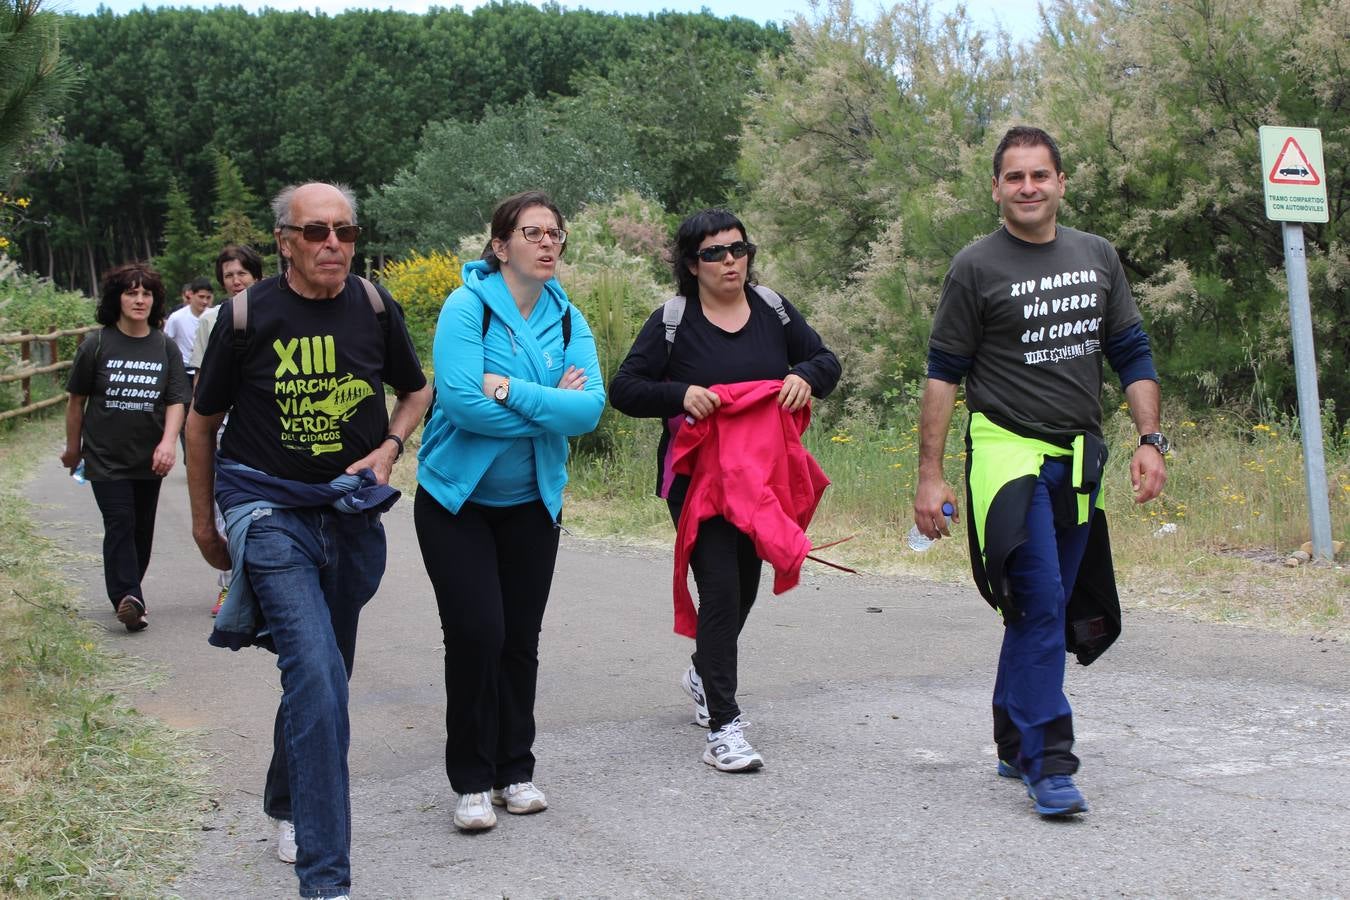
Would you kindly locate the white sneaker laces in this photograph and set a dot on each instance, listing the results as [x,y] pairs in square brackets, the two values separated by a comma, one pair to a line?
[733,734]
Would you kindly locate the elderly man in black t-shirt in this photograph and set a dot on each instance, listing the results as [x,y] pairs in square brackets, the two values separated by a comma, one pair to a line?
[300,364]
[1025,316]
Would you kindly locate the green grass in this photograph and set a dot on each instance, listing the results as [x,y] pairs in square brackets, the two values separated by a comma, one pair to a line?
[1235,494]
[95,799]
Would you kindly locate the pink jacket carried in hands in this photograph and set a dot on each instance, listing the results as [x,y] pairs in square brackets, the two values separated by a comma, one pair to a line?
[746,462]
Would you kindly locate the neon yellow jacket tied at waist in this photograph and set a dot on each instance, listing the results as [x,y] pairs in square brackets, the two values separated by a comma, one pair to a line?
[1001,471]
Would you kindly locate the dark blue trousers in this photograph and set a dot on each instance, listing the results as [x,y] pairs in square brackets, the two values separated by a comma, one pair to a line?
[1033,724]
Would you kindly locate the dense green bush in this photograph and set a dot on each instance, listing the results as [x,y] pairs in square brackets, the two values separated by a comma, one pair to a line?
[420,284]
[35,305]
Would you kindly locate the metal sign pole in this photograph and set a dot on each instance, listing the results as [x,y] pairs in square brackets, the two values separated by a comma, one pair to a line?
[1309,406]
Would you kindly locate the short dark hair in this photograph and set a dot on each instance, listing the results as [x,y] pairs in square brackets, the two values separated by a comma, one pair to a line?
[507,214]
[690,234]
[243,254]
[1026,136]
[117,281]
[197,284]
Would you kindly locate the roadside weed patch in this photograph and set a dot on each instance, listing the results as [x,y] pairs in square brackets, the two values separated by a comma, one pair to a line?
[95,799]
[1212,546]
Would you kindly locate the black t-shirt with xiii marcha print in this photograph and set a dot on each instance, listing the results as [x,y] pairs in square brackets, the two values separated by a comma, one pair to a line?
[306,399]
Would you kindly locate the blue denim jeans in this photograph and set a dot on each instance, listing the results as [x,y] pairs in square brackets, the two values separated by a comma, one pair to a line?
[1029,688]
[312,570]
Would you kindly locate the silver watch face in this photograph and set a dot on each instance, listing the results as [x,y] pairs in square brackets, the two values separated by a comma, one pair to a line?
[500,391]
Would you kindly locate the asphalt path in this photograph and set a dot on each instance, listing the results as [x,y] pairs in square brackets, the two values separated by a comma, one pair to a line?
[1216,760]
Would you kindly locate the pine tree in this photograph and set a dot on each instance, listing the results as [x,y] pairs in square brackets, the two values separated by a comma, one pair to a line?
[234,200]
[35,77]
[186,256]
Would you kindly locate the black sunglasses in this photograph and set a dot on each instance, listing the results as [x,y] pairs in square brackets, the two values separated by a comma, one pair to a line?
[718,252]
[317,234]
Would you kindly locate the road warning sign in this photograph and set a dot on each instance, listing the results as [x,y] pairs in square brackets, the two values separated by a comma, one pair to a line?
[1291,162]
[1292,166]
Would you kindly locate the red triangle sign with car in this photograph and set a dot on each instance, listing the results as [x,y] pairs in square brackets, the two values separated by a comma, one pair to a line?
[1292,166]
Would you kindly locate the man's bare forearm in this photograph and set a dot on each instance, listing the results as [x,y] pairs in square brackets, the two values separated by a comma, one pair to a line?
[201,474]
[1145,399]
[935,417]
[408,411]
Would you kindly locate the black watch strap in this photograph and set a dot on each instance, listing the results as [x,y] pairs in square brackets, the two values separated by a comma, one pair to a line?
[1157,440]
[397,440]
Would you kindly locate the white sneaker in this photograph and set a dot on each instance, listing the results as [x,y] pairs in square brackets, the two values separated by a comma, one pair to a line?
[729,751]
[285,841]
[520,799]
[693,686]
[474,812]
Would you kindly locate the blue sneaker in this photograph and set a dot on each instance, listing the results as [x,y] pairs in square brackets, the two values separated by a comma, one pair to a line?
[1056,795]
[1008,770]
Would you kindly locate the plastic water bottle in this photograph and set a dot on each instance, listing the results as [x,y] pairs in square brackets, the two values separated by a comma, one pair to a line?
[78,474]
[918,542]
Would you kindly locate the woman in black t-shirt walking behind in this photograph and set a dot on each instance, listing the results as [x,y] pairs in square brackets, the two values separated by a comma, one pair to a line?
[728,333]
[128,398]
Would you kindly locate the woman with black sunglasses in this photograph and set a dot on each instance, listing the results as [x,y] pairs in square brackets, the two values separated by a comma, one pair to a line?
[722,329]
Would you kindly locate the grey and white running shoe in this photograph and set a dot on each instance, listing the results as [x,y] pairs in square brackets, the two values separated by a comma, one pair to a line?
[728,750]
[693,686]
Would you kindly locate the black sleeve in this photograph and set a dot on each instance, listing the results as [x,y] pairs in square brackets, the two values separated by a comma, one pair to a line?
[639,388]
[216,378]
[81,380]
[177,389]
[811,360]
[402,369]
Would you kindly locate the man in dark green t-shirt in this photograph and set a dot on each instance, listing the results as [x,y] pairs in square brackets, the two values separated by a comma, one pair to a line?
[1025,316]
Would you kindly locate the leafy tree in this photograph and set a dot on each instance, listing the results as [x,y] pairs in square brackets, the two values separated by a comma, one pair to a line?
[36,78]
[176,86]
[680,100]
[1158,105]
[863,163]
[462,170]
[186,256]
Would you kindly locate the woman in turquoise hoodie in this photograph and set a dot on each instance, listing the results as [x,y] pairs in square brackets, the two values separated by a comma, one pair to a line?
[516,375]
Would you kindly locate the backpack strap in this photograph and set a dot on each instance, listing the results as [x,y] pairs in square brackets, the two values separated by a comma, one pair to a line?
[239,313]
[672,311]
[566,324]
[771,297]
[373,295]
[240,309]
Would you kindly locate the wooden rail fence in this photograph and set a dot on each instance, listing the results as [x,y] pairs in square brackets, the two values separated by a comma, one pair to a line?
[26,370]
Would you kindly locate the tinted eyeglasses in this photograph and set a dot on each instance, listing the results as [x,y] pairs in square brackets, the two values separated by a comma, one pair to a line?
[534,234]
[316,233]
[718,252]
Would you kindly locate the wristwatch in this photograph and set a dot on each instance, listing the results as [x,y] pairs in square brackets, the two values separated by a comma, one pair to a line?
[1157,440]
[502,391]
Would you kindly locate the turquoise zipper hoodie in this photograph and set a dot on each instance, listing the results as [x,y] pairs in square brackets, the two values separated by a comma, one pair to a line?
[467,430]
